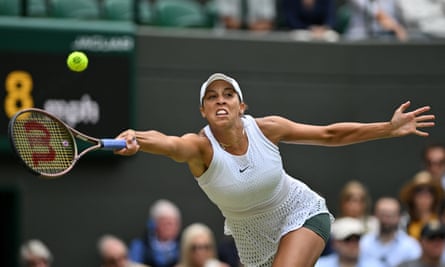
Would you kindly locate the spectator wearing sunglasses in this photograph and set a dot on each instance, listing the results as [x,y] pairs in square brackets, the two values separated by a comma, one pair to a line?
[345,236]
[432,241]
[390,245]
[198,247]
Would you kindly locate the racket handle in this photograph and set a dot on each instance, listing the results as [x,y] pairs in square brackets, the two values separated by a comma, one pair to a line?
[113,144]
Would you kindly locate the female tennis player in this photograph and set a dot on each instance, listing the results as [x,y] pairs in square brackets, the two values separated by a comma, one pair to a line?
[276,220]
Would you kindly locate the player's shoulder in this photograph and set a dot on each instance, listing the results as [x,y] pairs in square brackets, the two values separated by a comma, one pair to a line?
[270,118]
[270,121]
[200,139]
[272,127]
[195,137]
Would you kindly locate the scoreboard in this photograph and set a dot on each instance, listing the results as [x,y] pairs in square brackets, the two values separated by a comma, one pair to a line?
[33,73]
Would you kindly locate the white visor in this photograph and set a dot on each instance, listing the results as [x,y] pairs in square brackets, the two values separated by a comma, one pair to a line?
[220,76]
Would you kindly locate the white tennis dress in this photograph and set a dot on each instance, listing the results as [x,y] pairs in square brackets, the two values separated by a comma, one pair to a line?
[259,201]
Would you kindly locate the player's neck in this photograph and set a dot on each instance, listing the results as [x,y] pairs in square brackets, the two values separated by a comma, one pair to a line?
[233,141]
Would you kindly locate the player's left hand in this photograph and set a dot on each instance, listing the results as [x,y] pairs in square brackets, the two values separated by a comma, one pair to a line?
[405,123]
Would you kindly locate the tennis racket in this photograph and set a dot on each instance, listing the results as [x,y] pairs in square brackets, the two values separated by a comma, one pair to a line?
[47,146]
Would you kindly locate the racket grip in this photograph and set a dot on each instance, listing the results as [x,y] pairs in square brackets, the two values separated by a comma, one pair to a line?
[113,144]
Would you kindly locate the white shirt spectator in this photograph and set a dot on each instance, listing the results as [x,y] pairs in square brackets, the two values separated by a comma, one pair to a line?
[363,23]
[425,16]
[374,253]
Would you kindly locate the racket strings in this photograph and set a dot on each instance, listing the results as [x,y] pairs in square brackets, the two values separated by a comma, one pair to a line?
[43,143]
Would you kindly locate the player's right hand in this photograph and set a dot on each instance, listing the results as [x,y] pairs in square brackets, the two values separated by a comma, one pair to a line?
[132,144]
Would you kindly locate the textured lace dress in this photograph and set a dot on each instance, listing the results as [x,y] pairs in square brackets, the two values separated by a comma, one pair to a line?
[259,201]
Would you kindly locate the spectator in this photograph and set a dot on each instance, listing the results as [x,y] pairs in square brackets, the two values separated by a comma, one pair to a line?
[390,245]
[374,19]
[422,196]
[312,18]
[426,17]
[356,202]
[255,15]
[345,236]
[432,241]
[34,253]
[159,247]
[113,253]
[198,248]
[434,162]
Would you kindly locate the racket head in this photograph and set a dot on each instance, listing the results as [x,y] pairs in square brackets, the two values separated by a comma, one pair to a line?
[43,143]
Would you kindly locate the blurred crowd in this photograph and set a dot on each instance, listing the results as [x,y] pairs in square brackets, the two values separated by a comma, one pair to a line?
[405,229]
[324,20]
[329,20]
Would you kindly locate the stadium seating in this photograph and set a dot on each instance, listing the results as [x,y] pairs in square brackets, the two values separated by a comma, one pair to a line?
[145,12]
[179,13]
[165,13]
[37,8]
[212,13]
[343,15]
[80,9]
[9,7]
[117,10]
[124,10]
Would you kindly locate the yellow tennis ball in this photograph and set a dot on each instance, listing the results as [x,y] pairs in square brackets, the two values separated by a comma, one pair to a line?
[77,61]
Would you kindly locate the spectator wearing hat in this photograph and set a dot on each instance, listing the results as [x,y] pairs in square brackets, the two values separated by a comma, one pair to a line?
[390,245]
[422,197]
[432,241]
[345,236]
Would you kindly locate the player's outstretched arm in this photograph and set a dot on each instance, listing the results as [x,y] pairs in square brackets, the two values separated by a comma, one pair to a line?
[402,123]
[179,148]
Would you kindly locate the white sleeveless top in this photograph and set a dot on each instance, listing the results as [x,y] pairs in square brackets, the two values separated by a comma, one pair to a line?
[260,202]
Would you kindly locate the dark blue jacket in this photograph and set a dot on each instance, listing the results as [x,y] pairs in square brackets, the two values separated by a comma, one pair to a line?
[297,16]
